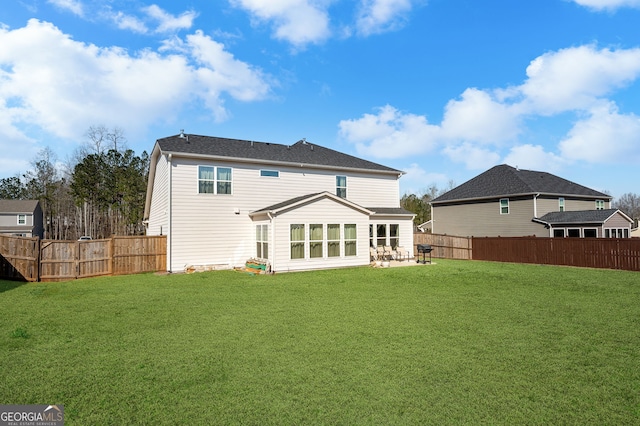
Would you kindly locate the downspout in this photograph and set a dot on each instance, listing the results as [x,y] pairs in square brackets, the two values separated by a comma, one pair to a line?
[272,242]
[535,205]
[169,221]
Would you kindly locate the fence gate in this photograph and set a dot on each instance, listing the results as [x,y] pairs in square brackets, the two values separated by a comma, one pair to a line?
[67,260]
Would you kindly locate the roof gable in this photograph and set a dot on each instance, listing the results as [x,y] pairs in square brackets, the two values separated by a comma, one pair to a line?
[300,153]
[309,198]
[504,180]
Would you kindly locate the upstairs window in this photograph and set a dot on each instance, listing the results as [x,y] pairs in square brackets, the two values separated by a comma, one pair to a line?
[269,173]
[561,204]
[341,186]
[504,206]
[214,180]
[599,204]
[223,177]
[22,219]
[205,180]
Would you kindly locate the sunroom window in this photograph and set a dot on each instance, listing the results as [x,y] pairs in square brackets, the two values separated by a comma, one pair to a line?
[315,240]
[297,241]
[333,240]
[350,240]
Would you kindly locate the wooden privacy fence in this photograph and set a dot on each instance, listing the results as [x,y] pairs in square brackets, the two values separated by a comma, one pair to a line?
[444,246]
[31,259]
[608,253]
[19,258]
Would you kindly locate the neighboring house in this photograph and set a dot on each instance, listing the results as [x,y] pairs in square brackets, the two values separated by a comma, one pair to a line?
[425,226]
[509,202]
[22,218]
[223,201]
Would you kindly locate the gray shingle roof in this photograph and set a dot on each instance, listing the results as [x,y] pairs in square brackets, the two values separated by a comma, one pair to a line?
[581,216]
[504,180]
[301,152]
[390,211]
[18,206]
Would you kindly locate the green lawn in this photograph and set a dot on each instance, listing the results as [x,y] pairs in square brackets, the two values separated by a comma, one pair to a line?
[451,343]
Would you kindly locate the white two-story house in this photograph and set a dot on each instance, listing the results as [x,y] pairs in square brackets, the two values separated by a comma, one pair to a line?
[223,201]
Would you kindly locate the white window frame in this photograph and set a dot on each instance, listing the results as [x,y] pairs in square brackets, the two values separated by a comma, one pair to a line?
[564,232]
[341,190]
[216,181]
[350,240]
[503,207]
[599,204]
[297,242]
[584,235]
[22,219]
[616,232]
[262,241]
[561,204]
[316,241]
[574,229]
[331,242]
[269,173]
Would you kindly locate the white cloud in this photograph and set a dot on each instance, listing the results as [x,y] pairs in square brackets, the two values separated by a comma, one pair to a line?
[610,5]
[168,22]
[534,157]
[73,6]
[298,22]
[390,133]
[474,157]
[605,137]
[477,117]
[51,82]
[482,126]
[128,22]
[574,78]
[377,16]
[417,179]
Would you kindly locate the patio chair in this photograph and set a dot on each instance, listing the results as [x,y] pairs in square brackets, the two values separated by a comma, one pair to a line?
[402,253]
[389,252]
[380,252]
[373,253]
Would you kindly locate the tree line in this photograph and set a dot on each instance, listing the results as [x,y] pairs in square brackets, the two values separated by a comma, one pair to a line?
[100,191]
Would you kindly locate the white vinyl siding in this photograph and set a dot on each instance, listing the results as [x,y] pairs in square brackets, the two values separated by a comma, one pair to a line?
[208,231]
[159,209]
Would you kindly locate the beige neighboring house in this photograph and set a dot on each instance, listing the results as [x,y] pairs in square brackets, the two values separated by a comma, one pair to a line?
[302,206]
[21,218]
[509,202]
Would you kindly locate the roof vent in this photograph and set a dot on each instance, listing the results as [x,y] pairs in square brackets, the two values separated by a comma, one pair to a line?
[183,136]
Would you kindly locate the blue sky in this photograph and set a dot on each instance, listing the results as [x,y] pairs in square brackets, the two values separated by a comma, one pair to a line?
[442,89]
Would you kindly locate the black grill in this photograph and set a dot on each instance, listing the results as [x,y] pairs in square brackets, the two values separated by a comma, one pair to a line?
[424,249]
